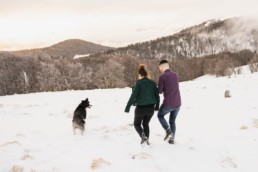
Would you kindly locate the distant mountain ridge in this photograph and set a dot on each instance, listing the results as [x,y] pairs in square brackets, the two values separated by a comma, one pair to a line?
[65,49]
[210,37]
[72,47]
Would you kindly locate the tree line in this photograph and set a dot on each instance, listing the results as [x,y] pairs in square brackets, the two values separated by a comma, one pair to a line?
[41,73]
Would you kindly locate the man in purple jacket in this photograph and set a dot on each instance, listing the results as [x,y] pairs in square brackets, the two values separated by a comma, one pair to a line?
[169,86]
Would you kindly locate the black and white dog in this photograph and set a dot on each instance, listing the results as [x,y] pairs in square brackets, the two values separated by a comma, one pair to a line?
[79,115]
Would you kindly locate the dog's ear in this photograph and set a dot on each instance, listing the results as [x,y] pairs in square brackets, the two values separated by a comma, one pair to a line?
[86,99]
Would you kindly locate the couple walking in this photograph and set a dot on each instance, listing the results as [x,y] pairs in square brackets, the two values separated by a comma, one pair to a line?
[145,97]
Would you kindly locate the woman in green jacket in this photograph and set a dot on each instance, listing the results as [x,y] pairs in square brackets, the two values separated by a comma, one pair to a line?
[145,97]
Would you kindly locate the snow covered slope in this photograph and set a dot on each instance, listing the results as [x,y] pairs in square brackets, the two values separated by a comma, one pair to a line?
[214,134]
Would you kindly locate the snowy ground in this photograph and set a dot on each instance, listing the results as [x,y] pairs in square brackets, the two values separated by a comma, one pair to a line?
[214,134]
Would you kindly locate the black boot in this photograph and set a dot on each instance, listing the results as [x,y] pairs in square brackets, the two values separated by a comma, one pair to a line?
[171,140]
[168,133]
[144,139]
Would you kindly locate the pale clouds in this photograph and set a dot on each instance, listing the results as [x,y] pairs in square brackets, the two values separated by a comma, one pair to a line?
[31,23]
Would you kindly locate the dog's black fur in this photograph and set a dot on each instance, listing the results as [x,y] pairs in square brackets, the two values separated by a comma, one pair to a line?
[80,115]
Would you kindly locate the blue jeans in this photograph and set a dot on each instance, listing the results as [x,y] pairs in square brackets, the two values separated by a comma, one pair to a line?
[172,118]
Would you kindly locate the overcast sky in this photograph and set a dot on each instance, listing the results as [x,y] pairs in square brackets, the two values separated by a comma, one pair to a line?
[40,23]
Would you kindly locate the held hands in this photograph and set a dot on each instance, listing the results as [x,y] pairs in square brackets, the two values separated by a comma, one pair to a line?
[156,108]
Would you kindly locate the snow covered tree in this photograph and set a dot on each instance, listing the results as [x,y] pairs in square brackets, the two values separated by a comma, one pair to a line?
[109,75]
[253,64]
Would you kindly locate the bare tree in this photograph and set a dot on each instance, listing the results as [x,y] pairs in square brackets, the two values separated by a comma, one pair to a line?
[79,77]
[221,68]
[110,75]
[11,75]
[253,64]
[130,69]
[49,77]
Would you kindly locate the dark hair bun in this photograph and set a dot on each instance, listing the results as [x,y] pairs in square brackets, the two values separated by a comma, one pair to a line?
[141,66]
[141,70]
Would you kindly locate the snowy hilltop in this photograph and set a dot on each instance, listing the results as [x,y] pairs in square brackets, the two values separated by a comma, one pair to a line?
[209,37]
[214,134]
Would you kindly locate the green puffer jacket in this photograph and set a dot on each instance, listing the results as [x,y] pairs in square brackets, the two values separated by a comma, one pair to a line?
[144,93]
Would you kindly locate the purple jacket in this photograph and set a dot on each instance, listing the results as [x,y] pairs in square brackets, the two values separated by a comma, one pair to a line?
[169,86]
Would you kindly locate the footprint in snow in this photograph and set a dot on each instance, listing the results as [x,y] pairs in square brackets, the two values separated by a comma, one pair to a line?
[10,143]
[141,155]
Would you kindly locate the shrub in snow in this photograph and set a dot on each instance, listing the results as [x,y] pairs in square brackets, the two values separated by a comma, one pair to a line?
[17,168]
[96,163]
[227,94]
[243,127]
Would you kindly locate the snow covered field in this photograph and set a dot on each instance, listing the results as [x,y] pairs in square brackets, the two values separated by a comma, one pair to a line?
[214,134]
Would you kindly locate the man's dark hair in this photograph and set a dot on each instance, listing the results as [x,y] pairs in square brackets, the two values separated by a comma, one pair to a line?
[163,62]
